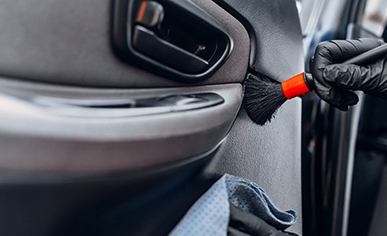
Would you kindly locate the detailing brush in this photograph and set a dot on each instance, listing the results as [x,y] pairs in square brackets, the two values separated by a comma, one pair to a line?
[264,95]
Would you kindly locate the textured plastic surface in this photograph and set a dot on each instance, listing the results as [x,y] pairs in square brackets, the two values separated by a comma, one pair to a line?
[119,204]
[69,42]
[35,139]
[276,37]
[269,155]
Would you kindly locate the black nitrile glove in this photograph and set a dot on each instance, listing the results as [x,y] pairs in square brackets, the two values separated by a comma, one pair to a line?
[243,223]
[333,80]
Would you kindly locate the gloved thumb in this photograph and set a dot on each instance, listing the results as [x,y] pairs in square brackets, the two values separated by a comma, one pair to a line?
[334,95]
[353,77]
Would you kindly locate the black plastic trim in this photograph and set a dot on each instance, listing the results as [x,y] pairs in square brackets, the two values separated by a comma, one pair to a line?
[123,23]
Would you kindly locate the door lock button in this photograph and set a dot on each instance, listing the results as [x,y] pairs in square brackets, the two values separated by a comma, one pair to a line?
[150,14]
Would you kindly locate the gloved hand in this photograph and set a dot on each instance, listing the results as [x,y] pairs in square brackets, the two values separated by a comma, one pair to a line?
[243,223]
[333,80]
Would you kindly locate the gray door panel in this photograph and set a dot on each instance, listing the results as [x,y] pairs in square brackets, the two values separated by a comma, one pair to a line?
[69,42]
[269,155]
[55,51]
[35,137]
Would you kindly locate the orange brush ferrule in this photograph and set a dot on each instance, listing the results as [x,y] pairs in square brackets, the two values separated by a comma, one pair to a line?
[294,86]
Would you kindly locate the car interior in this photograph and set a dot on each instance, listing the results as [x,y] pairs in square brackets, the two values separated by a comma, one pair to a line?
[117,115]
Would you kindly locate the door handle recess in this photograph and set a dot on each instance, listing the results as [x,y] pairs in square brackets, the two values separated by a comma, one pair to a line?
[173,38]
[146,42]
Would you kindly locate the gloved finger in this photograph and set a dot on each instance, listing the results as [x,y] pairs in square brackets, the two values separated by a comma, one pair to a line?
[251,224]
[335,96]
[351,48]
[335,51]
[365,78]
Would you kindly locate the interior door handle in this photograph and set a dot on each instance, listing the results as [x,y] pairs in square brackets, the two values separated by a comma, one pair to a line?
[146,42]
[173,38]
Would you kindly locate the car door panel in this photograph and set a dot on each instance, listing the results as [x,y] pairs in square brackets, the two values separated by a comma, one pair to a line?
[70,43]
[114,172]
[269,155]
[276,37]
[46,138]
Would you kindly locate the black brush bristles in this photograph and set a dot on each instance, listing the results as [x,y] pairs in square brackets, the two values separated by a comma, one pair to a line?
[263,96]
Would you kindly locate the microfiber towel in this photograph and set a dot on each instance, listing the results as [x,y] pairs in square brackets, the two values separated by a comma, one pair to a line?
[210,214]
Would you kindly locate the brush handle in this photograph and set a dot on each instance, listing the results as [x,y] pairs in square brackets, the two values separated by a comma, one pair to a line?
[362,59]
[367,57]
